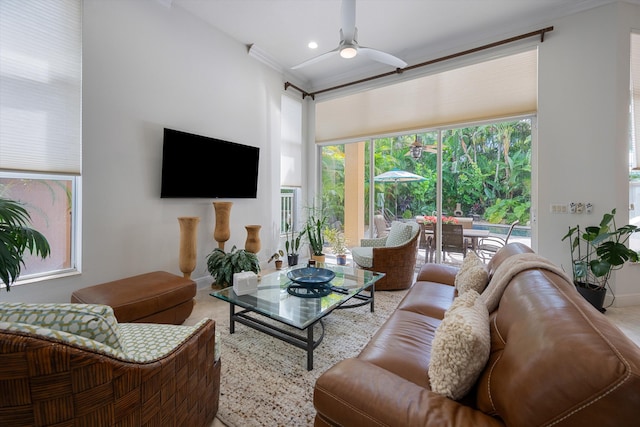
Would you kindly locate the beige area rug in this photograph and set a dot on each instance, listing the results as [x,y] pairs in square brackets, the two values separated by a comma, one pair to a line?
[264,381]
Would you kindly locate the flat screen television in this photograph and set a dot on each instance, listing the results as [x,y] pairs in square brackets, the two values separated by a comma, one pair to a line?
[195,166]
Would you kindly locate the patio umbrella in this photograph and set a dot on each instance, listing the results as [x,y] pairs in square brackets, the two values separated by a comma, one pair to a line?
[397,176]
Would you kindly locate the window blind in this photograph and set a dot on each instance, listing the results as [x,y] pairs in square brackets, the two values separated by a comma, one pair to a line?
[291,147]
[499,87]
[40,85]
[634,160]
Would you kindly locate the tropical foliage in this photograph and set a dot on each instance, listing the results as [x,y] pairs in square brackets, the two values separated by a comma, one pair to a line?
[487,169]
[315,228]
[222,265]
[292,240]
[16,237]
[598,250]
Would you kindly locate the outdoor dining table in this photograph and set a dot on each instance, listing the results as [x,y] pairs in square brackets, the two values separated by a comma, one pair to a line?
[473,234]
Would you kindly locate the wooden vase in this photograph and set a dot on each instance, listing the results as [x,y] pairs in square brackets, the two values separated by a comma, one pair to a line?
[188,244]
[222,232]
[253,243]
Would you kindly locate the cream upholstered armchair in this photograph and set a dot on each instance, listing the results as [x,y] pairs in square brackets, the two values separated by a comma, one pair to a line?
[394,255]
[73,364]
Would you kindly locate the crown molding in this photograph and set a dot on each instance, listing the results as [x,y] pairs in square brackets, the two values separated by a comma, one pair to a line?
[264,57]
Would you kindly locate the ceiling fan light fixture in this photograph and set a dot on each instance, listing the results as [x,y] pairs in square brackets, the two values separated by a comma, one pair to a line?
[348,52]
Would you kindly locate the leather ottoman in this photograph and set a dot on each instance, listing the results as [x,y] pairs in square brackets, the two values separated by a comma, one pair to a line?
[157,297]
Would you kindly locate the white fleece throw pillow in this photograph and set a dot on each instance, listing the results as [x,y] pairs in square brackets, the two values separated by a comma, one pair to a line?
[460,347]
[473,274]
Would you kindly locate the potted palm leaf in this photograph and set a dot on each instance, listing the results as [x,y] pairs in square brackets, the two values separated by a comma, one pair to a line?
[17,237]
[596,251]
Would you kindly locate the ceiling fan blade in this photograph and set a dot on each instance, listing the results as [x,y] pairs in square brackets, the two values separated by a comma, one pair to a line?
[383,57]
[348,15]
[318,58]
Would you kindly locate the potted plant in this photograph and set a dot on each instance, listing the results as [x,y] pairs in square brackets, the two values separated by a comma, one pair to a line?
[314,229]
[222,265]
[596,251]
[292,244]
[16,237]
[276,256]
[338,244]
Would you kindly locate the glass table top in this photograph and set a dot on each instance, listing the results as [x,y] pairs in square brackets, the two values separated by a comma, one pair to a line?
[273,300]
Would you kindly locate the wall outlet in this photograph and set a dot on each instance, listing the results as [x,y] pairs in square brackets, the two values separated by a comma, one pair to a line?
[588,207]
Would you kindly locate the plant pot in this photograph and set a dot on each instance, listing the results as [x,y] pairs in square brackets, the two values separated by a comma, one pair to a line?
[278,264]
[595,296]
[292,260]
[341,259]
[318,258]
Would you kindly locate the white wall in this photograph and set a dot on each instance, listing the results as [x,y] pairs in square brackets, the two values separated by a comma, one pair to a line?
[583,127]
[146,67]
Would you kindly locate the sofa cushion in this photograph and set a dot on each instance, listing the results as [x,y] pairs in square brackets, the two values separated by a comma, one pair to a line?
[363,256]
[460,346]
[146,342]
[93,321]
[402,346]
[399,234]
[473,274]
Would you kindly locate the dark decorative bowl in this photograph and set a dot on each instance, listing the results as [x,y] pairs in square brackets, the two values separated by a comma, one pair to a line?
[311,275]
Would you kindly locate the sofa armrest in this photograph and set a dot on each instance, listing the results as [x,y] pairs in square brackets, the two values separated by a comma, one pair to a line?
[354,392]
[439,273]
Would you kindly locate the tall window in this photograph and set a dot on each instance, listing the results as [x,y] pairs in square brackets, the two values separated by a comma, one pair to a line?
[634,140]
[40,121]
[290,164]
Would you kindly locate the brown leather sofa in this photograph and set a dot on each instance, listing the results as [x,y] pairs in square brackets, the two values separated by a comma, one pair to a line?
[554,360]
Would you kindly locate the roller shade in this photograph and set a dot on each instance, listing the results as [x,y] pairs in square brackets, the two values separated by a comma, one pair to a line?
[635,100]
[40,85]
[291,147]
[499,87]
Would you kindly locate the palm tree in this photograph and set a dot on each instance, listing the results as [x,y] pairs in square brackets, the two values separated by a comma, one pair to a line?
[16,237]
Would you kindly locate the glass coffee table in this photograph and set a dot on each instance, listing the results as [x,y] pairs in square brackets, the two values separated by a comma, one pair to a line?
[276,299]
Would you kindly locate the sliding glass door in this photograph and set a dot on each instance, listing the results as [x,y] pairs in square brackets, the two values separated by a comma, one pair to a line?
[479,175]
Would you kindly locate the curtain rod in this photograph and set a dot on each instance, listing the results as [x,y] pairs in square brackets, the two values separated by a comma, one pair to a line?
[540,32]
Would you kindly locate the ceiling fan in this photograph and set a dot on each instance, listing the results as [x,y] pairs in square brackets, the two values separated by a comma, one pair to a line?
[349,47]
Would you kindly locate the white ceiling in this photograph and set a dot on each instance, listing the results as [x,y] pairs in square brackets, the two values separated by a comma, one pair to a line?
[414,30]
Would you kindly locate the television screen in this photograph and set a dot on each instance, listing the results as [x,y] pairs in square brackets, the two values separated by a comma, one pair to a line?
[199,166]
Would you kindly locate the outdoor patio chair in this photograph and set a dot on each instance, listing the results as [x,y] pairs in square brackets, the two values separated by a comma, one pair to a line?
[394,255]
[453,240]
[488,246]
[381,226]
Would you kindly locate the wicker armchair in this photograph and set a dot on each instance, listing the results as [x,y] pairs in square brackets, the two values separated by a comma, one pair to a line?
[47,381]
[398,262]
